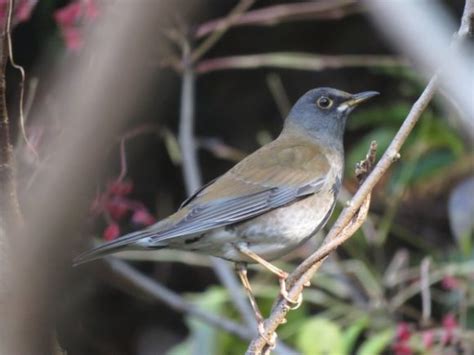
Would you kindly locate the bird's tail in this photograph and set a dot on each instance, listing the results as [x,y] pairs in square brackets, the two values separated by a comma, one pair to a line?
[128,241]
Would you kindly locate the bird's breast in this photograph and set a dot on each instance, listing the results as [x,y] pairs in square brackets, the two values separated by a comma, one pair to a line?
[280,231]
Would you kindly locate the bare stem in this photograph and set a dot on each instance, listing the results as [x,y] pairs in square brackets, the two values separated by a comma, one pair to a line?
[192,179]
[11,216]
[273,15]
[218,31]
[295,60]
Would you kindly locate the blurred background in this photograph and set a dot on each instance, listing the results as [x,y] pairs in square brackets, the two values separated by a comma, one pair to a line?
[403,284]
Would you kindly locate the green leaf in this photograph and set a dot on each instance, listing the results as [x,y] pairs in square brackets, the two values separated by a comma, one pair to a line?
[320,336]
[377,343]
[203,339]
[352,333]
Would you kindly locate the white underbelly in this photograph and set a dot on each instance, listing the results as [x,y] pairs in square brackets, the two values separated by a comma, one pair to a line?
[271,235]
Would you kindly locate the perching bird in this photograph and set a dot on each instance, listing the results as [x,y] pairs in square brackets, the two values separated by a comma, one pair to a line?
[270,202]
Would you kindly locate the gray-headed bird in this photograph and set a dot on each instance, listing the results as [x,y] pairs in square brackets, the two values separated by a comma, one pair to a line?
[269,203]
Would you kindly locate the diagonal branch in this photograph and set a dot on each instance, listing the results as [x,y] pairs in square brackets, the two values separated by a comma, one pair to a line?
[352,216]
[218,31]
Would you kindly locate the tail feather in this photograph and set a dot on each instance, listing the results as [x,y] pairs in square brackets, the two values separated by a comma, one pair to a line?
[125,242]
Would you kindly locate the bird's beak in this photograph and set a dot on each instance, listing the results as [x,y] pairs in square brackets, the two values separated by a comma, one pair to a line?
[356,99]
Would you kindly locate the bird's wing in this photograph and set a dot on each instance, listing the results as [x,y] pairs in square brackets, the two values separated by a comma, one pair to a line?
[275,175]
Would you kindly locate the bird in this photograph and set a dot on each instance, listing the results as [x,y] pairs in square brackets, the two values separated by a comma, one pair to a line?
[266,205]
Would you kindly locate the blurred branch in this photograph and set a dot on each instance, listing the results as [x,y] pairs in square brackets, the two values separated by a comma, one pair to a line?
[408,24]
[9,205]
[192,179]
[350,218]
[298,61]
[272,15]
[152,288]
[275,85]
[425,290]
[218,31]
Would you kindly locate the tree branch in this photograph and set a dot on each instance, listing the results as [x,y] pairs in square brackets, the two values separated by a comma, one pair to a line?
[9,206]
[192,179]
[298,61]
[273,15]
[218,31]
[350,218]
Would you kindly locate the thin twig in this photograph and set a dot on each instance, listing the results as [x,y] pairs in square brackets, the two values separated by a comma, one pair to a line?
[425,290]
[219,31]
[273,15]
[297,61]
[21,85]
[192,179]
[10,217]
[345,224]
[275,85]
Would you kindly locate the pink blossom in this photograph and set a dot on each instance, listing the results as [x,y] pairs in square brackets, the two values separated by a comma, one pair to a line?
[69,14]
[71,18]
[91,11]
[428,339]
[22,12]
[72,37]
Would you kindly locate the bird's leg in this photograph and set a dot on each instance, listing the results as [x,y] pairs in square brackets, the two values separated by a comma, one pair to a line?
[241,269]
[282,275]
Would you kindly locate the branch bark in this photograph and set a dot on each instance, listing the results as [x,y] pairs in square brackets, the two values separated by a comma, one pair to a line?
[298,61]
[10,217]
[352,217]
[273,15]
[193,180]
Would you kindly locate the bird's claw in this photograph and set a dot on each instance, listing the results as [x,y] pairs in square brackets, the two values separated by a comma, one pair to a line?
[261,331]
[295,304]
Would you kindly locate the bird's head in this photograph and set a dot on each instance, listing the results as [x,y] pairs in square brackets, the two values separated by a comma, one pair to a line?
[322,112]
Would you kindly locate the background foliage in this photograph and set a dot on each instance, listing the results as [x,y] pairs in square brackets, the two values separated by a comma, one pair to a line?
[368,298]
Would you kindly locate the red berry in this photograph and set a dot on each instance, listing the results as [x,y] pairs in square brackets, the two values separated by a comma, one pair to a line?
[143,217]
[403,331]
[120,188]
[402,348]
[117,208]
[111,232]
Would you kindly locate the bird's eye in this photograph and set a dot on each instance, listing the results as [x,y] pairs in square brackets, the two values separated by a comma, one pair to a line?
[324,102]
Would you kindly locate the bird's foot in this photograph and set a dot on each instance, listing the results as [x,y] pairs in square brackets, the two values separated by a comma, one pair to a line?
[295,304]
[261,331]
